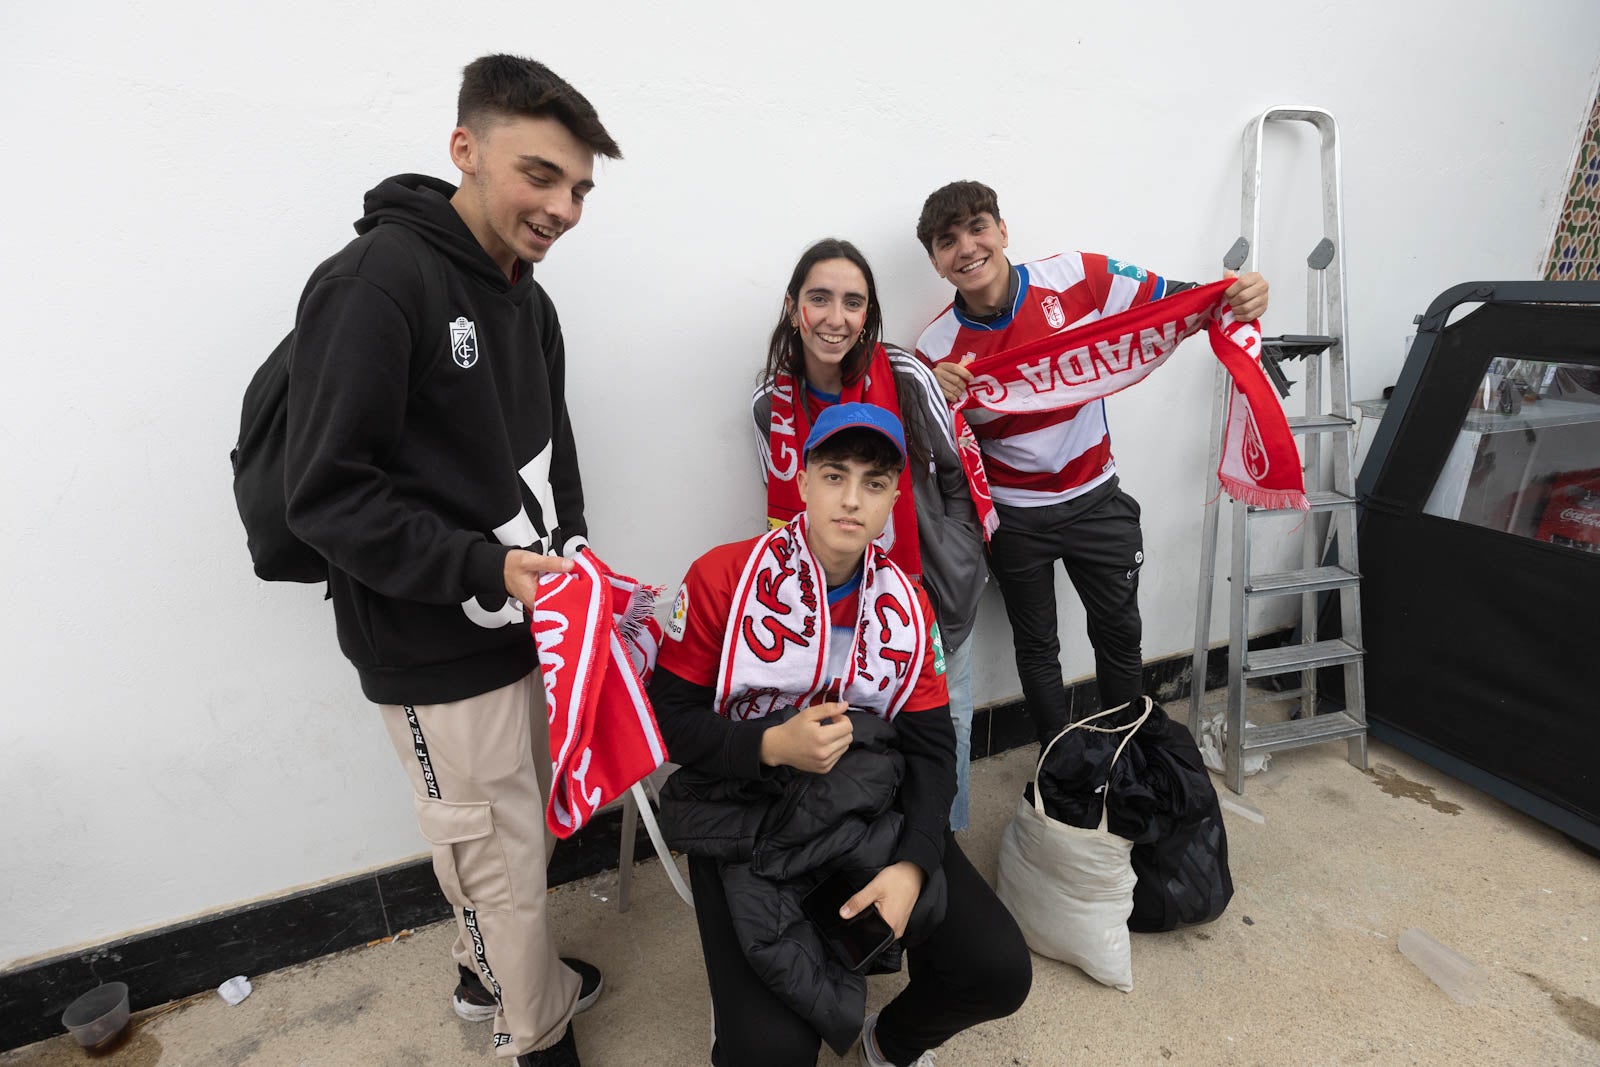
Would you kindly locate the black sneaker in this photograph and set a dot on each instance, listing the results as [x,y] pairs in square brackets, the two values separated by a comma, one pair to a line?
[590,983]
[476,1004]
[563,1053]
[472,1001]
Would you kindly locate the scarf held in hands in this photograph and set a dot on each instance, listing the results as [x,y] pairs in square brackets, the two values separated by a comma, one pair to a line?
[1260,463]
[597,646]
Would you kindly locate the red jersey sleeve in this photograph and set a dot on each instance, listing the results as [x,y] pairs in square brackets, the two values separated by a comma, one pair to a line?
[692,645]
[930,691]
[1101,272]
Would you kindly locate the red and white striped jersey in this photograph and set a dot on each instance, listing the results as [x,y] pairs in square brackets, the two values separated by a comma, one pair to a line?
[1034,460]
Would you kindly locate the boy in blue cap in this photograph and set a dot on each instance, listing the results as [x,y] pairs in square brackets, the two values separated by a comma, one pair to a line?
[753,685]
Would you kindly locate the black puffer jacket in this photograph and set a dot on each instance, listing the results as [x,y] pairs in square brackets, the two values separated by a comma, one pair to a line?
[775,838]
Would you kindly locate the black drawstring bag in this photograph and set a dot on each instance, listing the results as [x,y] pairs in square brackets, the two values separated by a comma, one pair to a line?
[1183,868]
[1163,801]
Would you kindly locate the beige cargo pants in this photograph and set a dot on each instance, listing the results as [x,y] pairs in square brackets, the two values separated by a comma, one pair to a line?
[480,769]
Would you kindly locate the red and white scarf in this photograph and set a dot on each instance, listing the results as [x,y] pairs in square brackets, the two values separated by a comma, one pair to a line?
[597,645]
[775,653]
[786,436]
[1260,463]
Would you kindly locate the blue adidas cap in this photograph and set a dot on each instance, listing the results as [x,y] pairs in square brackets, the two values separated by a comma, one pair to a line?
[846,416]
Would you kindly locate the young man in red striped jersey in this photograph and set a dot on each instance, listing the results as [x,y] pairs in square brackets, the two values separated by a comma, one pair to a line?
[1052,476]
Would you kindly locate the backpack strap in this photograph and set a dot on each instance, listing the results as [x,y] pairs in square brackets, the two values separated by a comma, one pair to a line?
[427,348]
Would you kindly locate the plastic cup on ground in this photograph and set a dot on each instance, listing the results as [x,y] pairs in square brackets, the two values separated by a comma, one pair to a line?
[99,1016]
[235,989]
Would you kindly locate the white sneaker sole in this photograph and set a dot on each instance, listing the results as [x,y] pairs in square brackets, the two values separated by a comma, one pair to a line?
[585,1003]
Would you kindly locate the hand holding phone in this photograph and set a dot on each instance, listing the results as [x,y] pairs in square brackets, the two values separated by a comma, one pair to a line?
[894,892]
[856,941]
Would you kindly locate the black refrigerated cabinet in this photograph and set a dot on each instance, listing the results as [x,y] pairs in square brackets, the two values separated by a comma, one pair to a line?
[1483,646]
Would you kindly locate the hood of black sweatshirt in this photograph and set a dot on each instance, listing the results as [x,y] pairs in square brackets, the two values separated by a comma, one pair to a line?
[422,204]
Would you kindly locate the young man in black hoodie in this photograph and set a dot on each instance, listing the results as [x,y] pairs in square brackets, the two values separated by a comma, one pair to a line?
[431,461]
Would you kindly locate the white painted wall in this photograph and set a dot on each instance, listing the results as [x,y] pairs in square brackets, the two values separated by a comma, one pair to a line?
[179,736]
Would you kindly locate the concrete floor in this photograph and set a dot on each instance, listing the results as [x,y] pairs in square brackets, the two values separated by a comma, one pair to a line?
[1302,969]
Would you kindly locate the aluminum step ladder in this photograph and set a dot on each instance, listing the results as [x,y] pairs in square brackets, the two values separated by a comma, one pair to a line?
[1334,502]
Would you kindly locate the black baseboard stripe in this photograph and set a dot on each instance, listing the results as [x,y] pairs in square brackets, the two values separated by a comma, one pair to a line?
[191,957]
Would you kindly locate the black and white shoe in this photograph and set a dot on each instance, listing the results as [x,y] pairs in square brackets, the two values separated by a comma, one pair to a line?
[871,1057]
[475,1004]
[590,983]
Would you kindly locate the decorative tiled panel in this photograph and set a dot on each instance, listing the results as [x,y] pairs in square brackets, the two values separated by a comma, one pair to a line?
[1575,251]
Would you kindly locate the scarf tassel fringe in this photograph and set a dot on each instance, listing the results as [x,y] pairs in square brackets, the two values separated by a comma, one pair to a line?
[1257,497]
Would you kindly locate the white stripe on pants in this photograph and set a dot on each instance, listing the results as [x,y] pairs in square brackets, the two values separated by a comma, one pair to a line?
[480,769]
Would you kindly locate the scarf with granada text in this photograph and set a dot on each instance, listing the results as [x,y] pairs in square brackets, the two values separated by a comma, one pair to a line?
[1260,463]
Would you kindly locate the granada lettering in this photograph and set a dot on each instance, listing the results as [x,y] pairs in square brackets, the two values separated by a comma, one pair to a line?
[792,464]
[768,582]
[986,389]
[767,585]
[886,606]
[1157,341]
[1115,356]
[785,458]
[1077,366]
[781,636]
[899,657]
[1072,367]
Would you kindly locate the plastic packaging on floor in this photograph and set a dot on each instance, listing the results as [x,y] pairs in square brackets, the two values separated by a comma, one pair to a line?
[1459,977]
[1211,746]
[235,989]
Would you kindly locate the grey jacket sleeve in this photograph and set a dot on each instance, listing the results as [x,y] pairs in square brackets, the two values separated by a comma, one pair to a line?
[761,420]
[953,566]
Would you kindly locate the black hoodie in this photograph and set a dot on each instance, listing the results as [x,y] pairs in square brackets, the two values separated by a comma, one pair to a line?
[428,435]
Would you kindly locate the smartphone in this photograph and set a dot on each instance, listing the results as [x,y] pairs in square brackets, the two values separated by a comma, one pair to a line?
[856,941]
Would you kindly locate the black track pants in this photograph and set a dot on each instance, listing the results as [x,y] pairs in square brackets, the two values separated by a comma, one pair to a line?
[1096,537]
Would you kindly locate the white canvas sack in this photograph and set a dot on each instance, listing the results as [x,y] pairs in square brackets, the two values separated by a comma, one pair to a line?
[1069,888]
